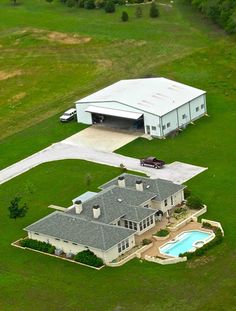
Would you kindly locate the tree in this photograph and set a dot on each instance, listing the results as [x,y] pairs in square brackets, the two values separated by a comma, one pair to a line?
[89,4]
[139,12]
[154,12]
[14,2]
[88,179]
[124,16]
[49,1]
[17,211]
[110,6]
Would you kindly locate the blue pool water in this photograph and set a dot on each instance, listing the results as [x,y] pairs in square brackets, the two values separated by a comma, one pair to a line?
[184,242]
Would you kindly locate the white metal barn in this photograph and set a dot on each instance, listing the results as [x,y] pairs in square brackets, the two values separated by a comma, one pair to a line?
[156,105]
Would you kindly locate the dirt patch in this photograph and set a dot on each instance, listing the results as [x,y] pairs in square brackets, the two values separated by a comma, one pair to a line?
[17,97]
[6,75]
[200,261]
[54,36]
[105,63]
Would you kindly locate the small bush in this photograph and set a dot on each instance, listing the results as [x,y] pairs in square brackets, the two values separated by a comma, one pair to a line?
[81,3]
[146,241]
[124,16]
[110,6]
[194,202]
[138,12]
[38,245]
[89,258]
[162,233]
[99,4]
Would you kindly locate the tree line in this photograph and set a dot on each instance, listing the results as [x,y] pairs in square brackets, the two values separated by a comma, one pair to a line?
[221,12]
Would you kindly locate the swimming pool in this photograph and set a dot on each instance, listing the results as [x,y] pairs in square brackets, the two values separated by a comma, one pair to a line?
[187,241]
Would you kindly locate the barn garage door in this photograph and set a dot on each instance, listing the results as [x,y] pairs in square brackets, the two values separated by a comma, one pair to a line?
[114,112]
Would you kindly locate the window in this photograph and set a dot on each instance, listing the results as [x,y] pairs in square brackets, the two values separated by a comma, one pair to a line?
[135,226]
[184,116]
[151,220]
[141,226]
[65,241]
[165,202]
[172,201]
[119,223]
[130,225]
[36,233]
[197,109]
[146,205]
[148,222]
[57,239]
[126,224]
[168,124]
[123,245]
[154,128]
[163,127]
[74,243]
[202,106]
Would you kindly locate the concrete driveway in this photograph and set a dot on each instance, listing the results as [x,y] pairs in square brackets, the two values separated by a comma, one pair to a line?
[177,172]
[100,138]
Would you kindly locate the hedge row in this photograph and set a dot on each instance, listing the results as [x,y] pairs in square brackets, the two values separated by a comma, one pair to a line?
[40,246]
[89,258]
[202,250]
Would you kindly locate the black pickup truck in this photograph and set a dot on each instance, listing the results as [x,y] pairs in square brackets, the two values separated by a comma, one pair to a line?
[153,162]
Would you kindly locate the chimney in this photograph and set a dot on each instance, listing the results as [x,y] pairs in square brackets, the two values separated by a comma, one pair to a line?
[139,185]
[78,206]
[121,182]
[96,211]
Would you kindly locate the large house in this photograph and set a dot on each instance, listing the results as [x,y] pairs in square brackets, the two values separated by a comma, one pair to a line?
[107,222]
[157,106]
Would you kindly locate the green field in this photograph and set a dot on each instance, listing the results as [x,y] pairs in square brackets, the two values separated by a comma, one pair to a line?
[40,76]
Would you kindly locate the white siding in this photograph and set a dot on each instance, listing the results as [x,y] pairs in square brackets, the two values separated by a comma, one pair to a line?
[153,122]
[169,122]
[107,256]
[195,105]
[178,197]
[183,115]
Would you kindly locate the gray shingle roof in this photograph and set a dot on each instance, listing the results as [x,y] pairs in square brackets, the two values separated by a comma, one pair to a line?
[74,229]
[161,187]
[116,202]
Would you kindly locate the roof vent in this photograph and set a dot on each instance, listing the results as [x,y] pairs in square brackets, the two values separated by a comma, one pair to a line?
[119,200]
[148,186]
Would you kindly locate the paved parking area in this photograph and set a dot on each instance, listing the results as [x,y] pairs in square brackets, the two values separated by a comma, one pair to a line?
[101,138]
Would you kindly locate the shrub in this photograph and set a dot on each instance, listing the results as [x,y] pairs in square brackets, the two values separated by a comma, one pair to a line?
[81,3]
[162,232]
[89,258]
[38,245]
[194,202]
[124,16]
[179,210]
[89,4]
[154,12]
[121,2]
[187,193]
[146,241]
[110,6]
[99,4]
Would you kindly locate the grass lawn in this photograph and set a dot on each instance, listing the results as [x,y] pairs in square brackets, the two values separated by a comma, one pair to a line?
[50,284]
[40,77]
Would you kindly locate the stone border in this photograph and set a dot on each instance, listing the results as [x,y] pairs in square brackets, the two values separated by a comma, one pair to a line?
[161,238]
[167,261]
[53,255]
